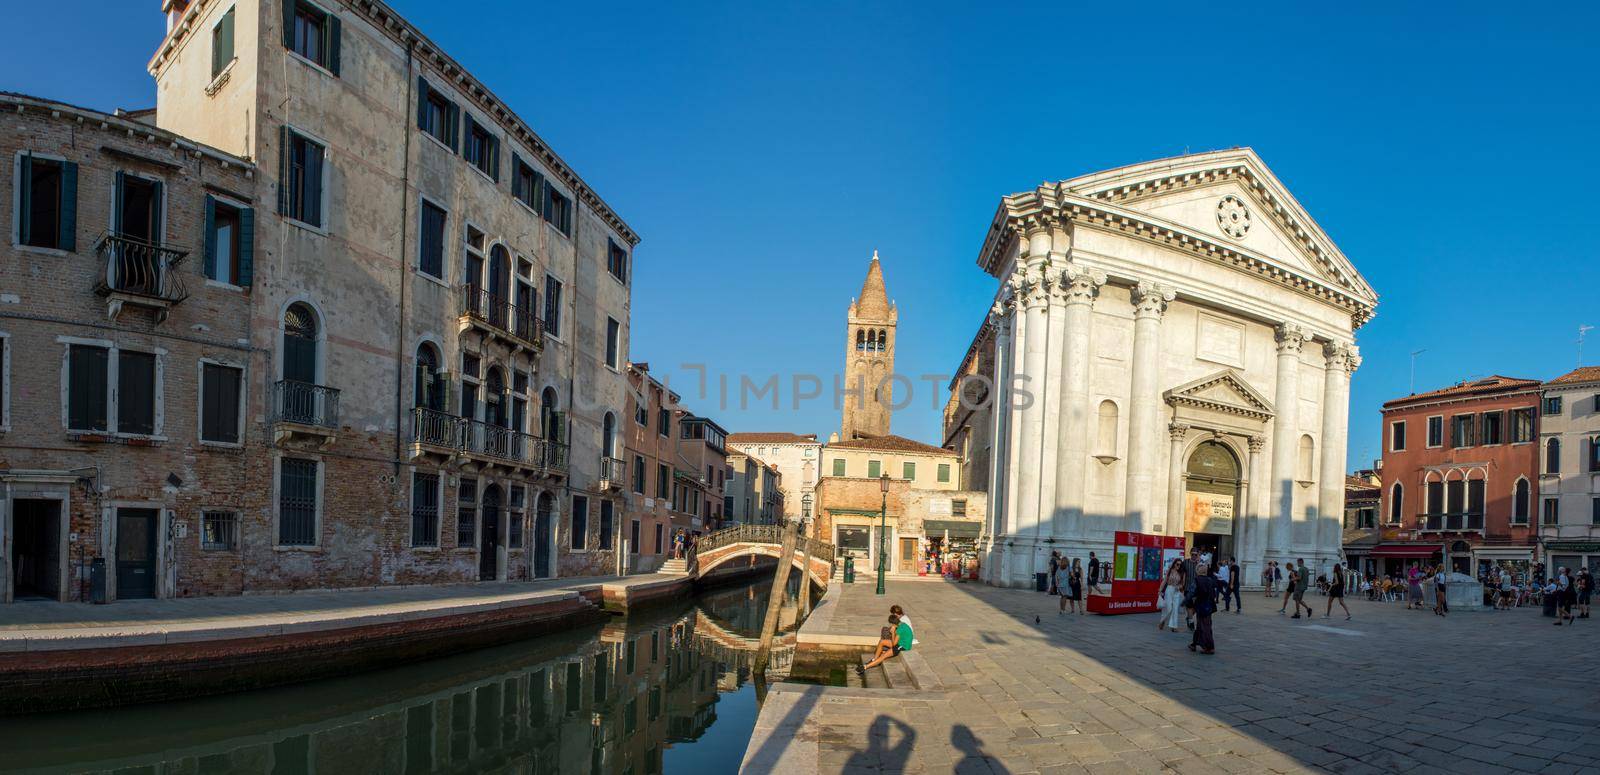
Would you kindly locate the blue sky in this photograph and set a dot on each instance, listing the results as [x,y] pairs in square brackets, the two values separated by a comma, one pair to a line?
[764,150]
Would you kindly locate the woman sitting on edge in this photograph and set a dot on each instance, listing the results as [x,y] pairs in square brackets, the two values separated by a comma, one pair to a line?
[885,649]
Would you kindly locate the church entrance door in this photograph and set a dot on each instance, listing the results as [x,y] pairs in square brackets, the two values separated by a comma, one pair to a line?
[1210,499]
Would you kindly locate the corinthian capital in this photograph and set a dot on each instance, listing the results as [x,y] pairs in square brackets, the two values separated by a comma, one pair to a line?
[1341,355]
[1177,431]
[1035,289]
[1081,286]
[1257,443]
[1150,299]
[1290,338]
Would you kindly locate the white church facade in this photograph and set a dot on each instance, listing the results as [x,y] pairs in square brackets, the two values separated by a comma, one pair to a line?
[1170,350]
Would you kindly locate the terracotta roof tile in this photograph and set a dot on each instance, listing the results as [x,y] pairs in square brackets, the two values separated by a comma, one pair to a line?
[891,443]
[1485,386]
[1580,374]
[776,437]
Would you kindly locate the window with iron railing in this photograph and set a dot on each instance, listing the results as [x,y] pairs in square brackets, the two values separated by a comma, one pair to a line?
[219,530]
[424,509]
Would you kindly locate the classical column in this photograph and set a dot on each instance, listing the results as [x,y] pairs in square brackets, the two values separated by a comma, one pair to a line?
[1149,303]
[1254,545]
[1177,433]
[1081,286]
[1285,439]
[1012,450]
[1051,518]
[1341,359]
[1030,426]
[1000,319]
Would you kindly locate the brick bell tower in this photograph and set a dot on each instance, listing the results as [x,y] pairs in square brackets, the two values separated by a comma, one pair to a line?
[869,358]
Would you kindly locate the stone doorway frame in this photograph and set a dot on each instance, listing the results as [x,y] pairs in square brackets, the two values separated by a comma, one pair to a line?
[37,485]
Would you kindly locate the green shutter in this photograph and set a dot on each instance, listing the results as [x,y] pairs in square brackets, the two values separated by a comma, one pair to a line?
[494,159]
[116,204]
[69,207]
[333,28]
[452,118]
[247,246]
[211,238]
[516,177]
[159,206]
[422,103]
[283,170]
[24,194]
[466,131]
[288,24]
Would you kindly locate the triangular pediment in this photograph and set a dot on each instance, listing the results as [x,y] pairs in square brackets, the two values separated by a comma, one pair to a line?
[1229,197]
[1225,392]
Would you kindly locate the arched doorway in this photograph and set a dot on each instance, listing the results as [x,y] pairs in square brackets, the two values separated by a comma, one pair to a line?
[544,516]
[1210,498]
[489,541]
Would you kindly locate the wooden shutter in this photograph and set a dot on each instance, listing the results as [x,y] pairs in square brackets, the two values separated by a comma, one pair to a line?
[136,398]
[453,128]
[247,246]
[116,203]
[422,104]
[157,207]
[232,381]
[211,239]
[86,387]
[288,24]
[283,169]
[68,240]
[516,175]
[24,198]
[313,185]
[494,159]
[210,402]
[466,132]
[334,33]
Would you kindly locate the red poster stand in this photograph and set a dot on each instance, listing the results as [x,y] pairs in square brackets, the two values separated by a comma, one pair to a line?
[1138,562]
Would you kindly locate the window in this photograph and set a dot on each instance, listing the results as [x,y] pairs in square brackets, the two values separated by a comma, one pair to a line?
[663,481]
[221,388]
[424,509]
[5,383]
[1435,431]
[664,421]
[229,242]
[47,203]
[838,466]
[580,521]
[482,149]
[1397,436]
[515,516]
[1594,511]
[908,471]
[1552,405]
[1365,520]
[552,306]
[300,185]
[219,530]
[466,513]
[1492,428]
[944,472]
[430,241]
[617,261]
[1594,453]
[958,507]
[88,391]
[558,209]
[1435,503]
[297,502]
[1521,425]
[1475,504]
[527,185]
[222,44]
[1397,497]
[1461,430]
[638,474]
[312,33]
[1552,456]
[873,467]
[1552,511]
[436,114]
[1519,502]
[607,512]
[1455,492]
[613,342]
[92,405]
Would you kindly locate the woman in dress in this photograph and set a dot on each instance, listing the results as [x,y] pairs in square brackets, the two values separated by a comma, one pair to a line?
[1060,583]
[1441,605]
[1414,592]
[1336,592]
[1171,601]
[1075,586]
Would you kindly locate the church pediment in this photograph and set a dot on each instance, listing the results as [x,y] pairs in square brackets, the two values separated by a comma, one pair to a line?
[1225,392]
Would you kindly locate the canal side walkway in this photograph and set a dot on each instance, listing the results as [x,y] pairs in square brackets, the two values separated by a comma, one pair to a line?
[1005,685]
[33,626]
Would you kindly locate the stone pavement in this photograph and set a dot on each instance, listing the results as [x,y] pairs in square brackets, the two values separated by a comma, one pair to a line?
[46,625]
[1393,690]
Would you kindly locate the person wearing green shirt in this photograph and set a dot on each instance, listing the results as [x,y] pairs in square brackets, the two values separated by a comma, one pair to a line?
[902,634]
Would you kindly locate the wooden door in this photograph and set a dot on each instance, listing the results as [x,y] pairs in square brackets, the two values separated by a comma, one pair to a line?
[908,555]
[136,553]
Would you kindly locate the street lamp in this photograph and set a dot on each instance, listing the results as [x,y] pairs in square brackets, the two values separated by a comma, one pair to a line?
[883,529]
[805,512]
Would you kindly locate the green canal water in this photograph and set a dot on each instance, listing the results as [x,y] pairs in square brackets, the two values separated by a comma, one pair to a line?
[663,691]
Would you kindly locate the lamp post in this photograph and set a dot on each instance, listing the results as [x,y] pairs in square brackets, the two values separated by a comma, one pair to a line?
[883,529]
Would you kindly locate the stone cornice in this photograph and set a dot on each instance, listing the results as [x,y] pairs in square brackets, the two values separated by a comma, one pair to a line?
[1256,407]
[123,126]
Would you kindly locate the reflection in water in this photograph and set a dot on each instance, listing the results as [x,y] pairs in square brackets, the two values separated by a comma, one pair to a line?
[638,695]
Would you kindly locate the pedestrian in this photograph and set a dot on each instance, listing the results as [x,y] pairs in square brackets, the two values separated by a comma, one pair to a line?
[1075,588]
[1336,592]
[1506,593]
[1171,597]
[1094,575]
[1055,565]
[900,612]
[1191,571]
[884,649]
[1277,577]
[1224,579]
[1203,601]
[1303,582]
[1288,591]
[1266,580]
[1585,584]
[1441,604]
[1414,587]
[1238,581]
[1062,581]
[1566,595]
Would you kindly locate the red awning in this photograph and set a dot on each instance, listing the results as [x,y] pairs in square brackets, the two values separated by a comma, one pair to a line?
[1405,550]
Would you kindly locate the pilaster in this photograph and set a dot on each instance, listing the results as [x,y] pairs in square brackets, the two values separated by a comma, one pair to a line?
[1285,431]
[1150,304]
[1340,360]
[1080,287]
[1177,434]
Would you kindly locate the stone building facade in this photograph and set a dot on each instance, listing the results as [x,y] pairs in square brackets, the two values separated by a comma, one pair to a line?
[754,494]
[868,387]
[1569,474]
[123,369]
[432,309]
[678,468]
[1173,341]
[1460,473]
[795,456]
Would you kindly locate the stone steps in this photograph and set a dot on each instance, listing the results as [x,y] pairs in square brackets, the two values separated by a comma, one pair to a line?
[675,567]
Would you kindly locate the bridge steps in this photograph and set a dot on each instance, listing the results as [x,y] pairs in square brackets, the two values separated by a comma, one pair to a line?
[678,567]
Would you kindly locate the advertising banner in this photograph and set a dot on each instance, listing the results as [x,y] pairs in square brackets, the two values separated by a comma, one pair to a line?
[1140,560]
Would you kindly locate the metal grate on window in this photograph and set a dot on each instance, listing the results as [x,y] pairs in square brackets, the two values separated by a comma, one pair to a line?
[297,502]
[424,509]
[466,513]
[219,530]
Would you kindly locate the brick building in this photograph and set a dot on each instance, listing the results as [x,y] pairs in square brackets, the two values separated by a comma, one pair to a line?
[678,469]
[1460,468]
[123,368]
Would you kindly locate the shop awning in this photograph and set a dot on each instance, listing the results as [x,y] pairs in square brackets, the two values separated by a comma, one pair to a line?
[1405,550]
[935,528]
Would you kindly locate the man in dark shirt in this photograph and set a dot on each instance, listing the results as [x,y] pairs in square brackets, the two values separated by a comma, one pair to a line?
[1204,604]
[1094,575]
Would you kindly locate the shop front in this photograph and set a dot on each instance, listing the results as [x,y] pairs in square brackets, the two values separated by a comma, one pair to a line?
[952,548]
[1572,555]
[858,536]
[1516,560]
[1394,559]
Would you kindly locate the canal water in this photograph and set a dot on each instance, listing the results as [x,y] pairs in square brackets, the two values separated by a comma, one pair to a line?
[663,691]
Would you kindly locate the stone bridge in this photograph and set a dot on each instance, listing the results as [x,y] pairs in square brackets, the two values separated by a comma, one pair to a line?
[746,541]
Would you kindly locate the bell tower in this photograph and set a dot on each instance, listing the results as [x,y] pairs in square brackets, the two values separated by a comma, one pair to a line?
[869,358]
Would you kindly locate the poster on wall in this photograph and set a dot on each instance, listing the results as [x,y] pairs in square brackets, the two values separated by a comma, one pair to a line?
[1136,577]
[1206,512]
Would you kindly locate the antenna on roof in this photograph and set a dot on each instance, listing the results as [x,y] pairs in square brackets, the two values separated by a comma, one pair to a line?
[1414,355]
[1582,329]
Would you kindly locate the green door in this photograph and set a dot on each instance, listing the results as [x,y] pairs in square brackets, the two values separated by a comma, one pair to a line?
[136,553]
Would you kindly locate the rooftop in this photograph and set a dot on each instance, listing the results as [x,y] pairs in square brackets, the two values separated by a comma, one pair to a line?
[772,437]
[1466,389]
[892,443]
[1580,374]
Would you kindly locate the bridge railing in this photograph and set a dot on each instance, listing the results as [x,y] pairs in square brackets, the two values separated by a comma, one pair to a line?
[757,534]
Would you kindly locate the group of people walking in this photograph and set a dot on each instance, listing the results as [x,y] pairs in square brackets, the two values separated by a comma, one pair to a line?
[1190,591]
[1067,580]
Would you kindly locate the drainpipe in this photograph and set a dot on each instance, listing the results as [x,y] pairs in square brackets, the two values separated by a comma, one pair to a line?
[405,269]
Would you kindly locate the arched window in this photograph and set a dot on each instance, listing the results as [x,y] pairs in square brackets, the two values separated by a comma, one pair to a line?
[1106,430]
[1397,499]
[300,333]
[550,421]
[429,381]
[1435,501]
[608,436]
[861,339]
[883,340]
[1552,456]
[494,398]
[1308,456]
[1519,501]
